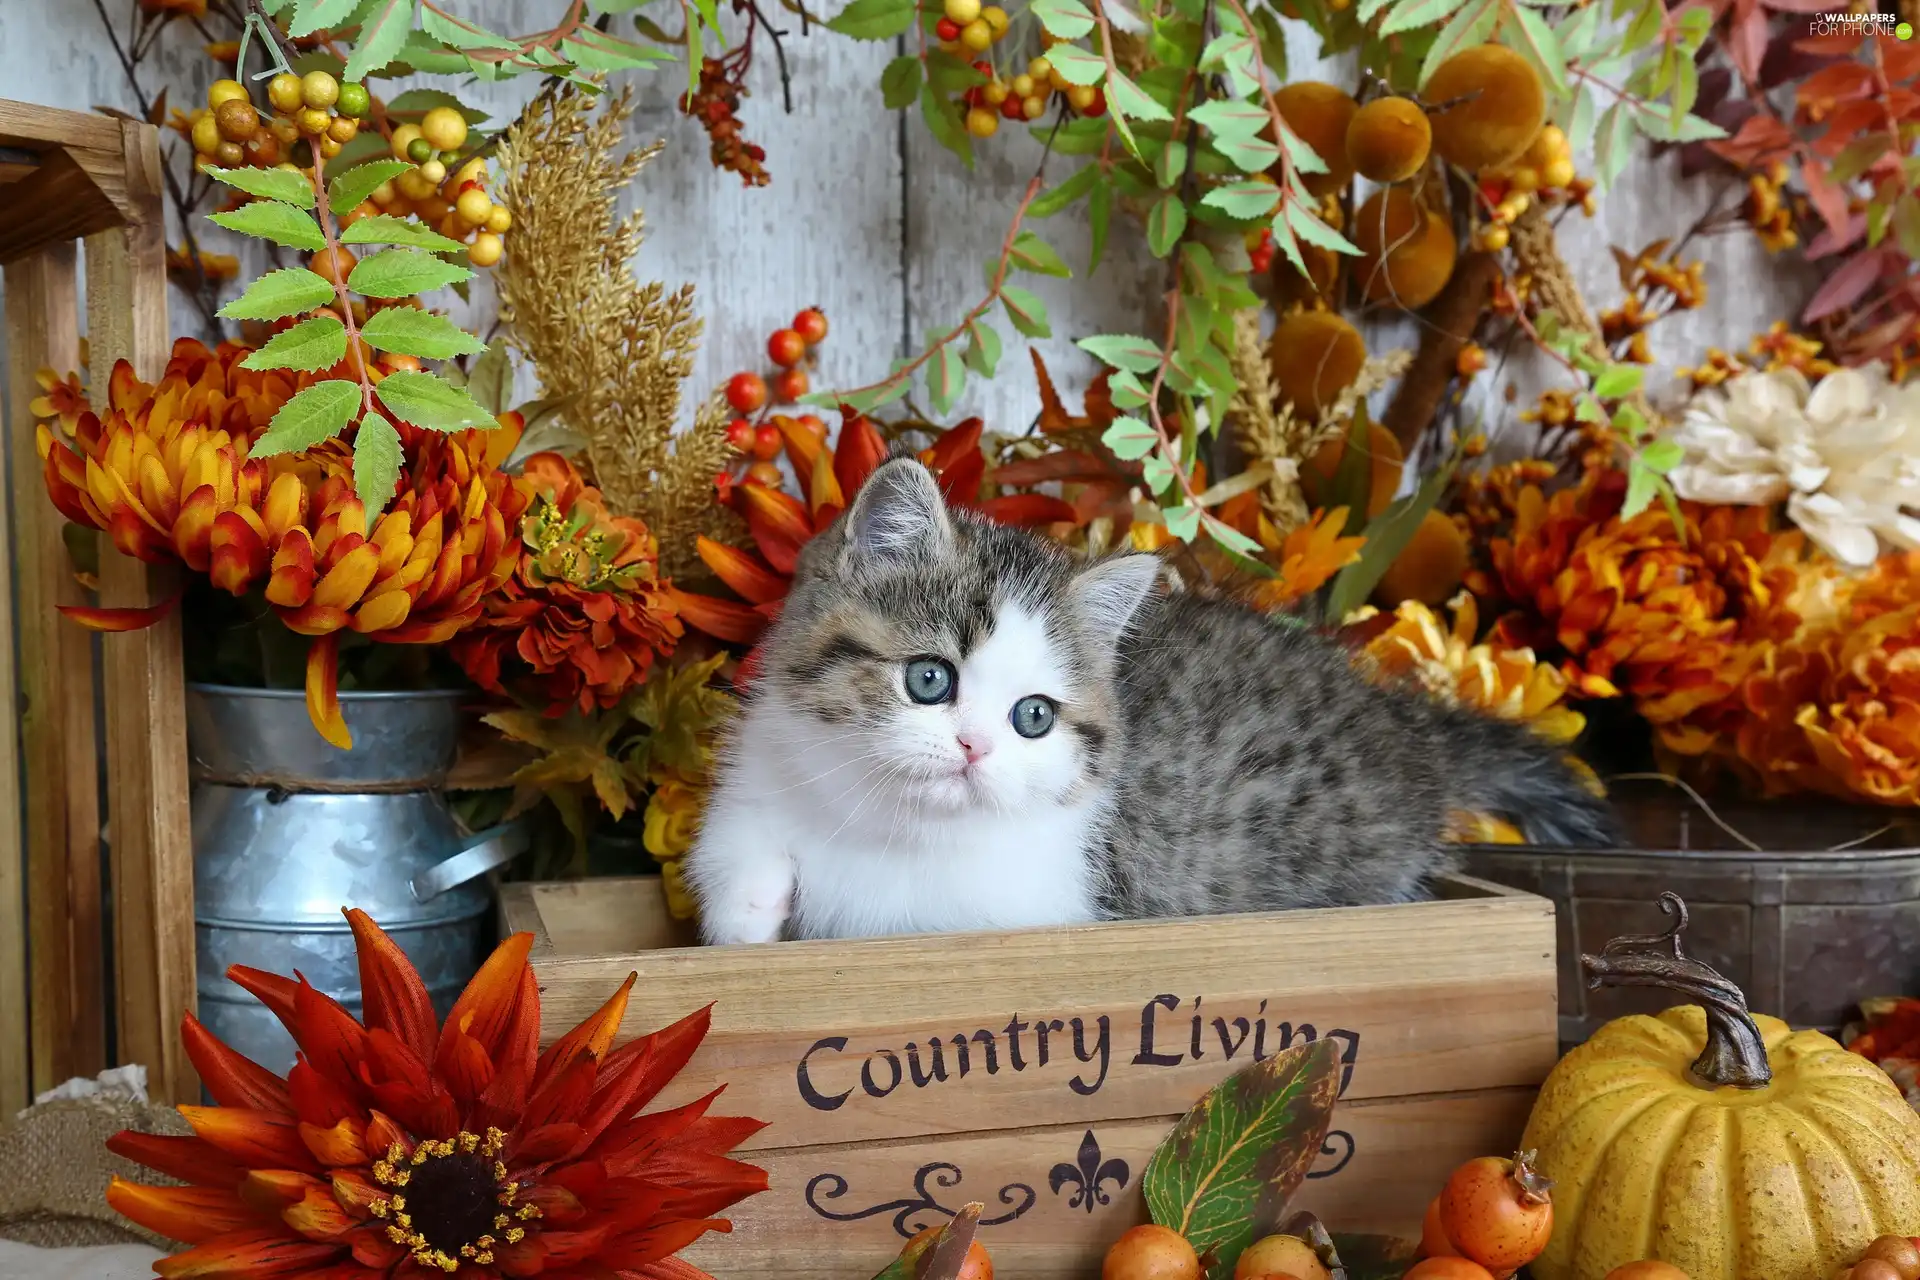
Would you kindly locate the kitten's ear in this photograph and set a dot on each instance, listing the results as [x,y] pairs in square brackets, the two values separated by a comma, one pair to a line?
[898,513]
[1108,593]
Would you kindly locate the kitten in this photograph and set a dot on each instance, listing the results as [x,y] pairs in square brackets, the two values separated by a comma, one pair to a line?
[958,725]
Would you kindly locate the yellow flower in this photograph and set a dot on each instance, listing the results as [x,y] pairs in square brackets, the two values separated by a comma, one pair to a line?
[672,822]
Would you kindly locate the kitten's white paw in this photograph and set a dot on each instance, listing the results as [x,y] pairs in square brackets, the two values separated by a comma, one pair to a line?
[756,920]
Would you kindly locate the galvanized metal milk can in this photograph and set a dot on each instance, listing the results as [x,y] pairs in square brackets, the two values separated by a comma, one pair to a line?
[288,829]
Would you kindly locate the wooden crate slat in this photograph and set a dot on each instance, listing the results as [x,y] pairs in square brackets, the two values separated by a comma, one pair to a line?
[150,831]
[58,200]
[66,946]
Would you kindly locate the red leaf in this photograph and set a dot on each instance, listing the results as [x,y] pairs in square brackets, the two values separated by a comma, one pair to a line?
[1846,286]
[129,619]
[1828,198]
[857,453]
[1830,241]
[1064,464]
[1747,41]
[954,444]
[1029,510]
[960,482]
[726,620]
[1841,82]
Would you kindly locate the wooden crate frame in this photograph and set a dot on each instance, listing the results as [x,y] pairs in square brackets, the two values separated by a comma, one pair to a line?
[87,186]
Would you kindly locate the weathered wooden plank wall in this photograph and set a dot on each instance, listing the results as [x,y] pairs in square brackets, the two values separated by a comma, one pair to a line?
[881,227]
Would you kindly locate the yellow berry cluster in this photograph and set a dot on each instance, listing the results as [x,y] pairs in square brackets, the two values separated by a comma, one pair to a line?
[454,203]
[314,111]
[970,28]
[1506,192]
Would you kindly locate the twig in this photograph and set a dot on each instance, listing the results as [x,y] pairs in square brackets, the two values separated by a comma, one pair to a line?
[280,41]
[1696,797]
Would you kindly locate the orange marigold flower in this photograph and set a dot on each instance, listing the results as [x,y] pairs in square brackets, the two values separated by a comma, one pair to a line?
[585,614]
[404,1147]
[1309,555]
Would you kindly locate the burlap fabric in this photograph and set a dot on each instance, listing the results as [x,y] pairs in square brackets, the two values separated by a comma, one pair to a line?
[54,1169]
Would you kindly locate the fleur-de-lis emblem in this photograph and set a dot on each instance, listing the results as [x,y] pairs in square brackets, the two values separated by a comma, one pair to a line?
[1088,1175]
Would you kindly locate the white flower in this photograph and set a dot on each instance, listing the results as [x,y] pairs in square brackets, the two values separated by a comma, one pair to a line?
[1844,455]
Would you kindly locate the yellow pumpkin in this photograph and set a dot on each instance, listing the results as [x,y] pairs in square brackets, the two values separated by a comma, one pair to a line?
[1726,1144]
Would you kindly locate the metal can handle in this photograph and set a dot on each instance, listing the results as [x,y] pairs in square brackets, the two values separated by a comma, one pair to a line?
[484,851]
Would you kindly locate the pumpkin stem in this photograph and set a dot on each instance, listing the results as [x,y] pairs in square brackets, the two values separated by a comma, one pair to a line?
[1535,1186]
[1735,1054]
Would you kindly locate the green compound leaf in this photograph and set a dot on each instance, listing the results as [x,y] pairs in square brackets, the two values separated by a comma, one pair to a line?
[1028,313]
[1122,351]
[401,273]
[271,220]
[1053,200]
[431,403]
[1223,1177]
[269,184]
[383,30]
[946,378]
[316,415]
[384,228]
[1076,65]
[1030,253]
[1064,19]
[359,182]
[279,294]
[1243,200]
[1129,438]
[1165,223]
[983,348]
[376,465]
[409,331]
[311,345]
[900,82]
[873,19]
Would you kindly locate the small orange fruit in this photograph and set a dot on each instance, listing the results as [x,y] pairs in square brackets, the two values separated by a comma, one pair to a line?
[1320,114]
[1389,139]
[1448,1269]
[1433,1236]
[1407,251]
[1315,355]
[333,265]
[1496,1211]
[1150,1252]
[977,1266]
[1429,569]
[1280,1255]
[1498,106]
[1898,1252]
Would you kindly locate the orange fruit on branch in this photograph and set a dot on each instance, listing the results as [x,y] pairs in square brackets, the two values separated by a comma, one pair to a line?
[1488,105]
[1407,252]
[1319,114]
[1498,1212]
[1280,1255]
[1389,139]
[1315,355]
[1150,1252]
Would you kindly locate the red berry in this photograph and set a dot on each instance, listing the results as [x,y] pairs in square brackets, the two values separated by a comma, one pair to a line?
[814,426]
[811,325]
[740,435]
[746,392]
[947,29]
[789,385]
[764,474]
[786,347]
[1099,105]
[766,442]
[1012,108]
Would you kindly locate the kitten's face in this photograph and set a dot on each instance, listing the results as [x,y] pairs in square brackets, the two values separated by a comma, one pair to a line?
[945,665]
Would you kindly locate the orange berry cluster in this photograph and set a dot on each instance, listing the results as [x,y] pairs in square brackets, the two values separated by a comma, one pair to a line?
[1020,97]
[310,112]
[715,103]
[453,203]
[790,349]
[1545,167]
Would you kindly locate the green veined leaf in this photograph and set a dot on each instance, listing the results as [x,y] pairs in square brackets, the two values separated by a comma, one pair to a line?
[311,345]
[1244,200]
[1077,137]
[1182,521]
[1616,147]
[1099,216]
[1166,222]
[598,51]
[1171,165]
[1472,25]
[409,106]
[1538,45]
[1030,253]
[409,331]
[376,465]
[1123,351]
[401,273]
[460,33]
[1418,13]
[1619,380]
[946,378]
[1130,100]
[270,220]
[1232,51]
[1642,484]
[1076,65]
[356,184]
[316,414]
[1129,438]
[874,19]
[1579,119]
[384,228]
[1663,456]
[1027,312]
[900,82]
[1228,536]
[1301,156]
[429,402]
[268,184]
[1225,117]
[1054,199]
[1310,228]
[1063,19]
[1251,155]
[943,122]
[310,16]
[490,378]
[983,348]
[1158,473]
[948,74]
[383,30]
[279,294]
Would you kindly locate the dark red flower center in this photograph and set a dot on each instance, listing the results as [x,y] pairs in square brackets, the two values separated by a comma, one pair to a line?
[450,1201]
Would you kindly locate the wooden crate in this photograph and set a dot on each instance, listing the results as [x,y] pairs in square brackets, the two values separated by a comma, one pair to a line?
[1036,1071]
[86,188]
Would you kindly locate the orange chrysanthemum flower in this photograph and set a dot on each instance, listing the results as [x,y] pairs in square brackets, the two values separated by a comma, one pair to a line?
[405,1148]
[585,613]
[63,400]
[1309,556]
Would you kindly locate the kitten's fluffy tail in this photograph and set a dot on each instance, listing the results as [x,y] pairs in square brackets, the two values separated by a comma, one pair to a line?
[1505,771]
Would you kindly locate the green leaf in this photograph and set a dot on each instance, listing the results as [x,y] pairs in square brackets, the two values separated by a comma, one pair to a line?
[1615,147]
[409,331]
[1099,216]
[1063,19]
[1417,13]
[1618,380]
[1228,536]
[598,51]
[409,106]
[1076,137]
[947,74]
[384,228]
[1122,351]
[1244,200]
[279,294]
[401,273]
[1387,537]
[1054,199]
[382,31]
[943,121]
[270,220]
[1028,313]
[1165,224]
[1225,117]
[1302,157]
[1030,253]
[460,33]
[316,414]
[1076,65]
[376,465]
[874,19]
[1251,155]
[1182,521]
[946,377]
[1129,99]
[1128,391]
[429,402]
[1171,165]
[1642,484]
[490,378]
[1352,483]
[1129,438]
[1536,43]
[310,16]
[311,345]
[356,184]
[900,82]
[1663,456]
[1906,225]
[1473,24]
[983,348]
[1307,223]
[269,184]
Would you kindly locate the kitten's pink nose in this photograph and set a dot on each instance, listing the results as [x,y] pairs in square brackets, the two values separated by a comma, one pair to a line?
[975,745]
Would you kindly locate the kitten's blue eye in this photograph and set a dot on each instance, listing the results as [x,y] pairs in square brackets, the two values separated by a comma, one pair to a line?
[930,680]
[1033,716]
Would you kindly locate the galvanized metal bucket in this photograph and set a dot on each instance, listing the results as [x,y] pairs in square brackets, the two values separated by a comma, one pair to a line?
[288,829]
